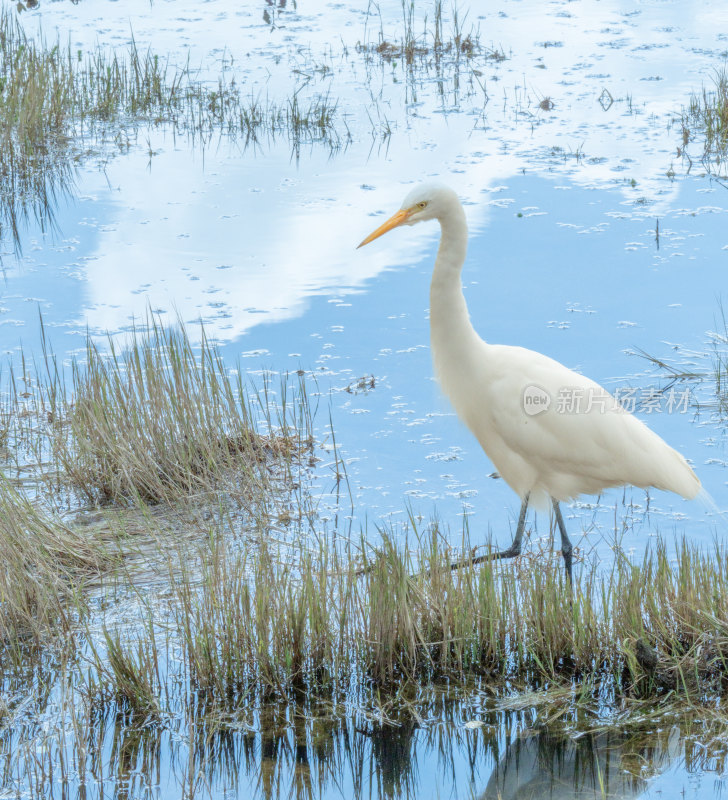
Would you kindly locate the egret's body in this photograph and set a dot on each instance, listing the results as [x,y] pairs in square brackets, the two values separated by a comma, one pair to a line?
[580,441]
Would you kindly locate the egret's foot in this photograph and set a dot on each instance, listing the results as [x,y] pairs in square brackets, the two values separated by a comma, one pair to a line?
[512,552]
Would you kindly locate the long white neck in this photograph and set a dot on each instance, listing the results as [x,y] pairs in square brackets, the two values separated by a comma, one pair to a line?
[450,327]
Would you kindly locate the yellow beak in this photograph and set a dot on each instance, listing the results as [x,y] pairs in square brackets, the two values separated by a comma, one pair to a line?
[398,219]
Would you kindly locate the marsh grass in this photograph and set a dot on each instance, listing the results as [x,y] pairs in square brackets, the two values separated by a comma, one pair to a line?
[706,120]
[264,616]
[160,423]
[275,649]
[721,381]
[55,103]
[255,621]
[129,664]
[45,567]
[719,340]
[253,624]
[155,421]
[285,664]
[436,39]
[50,92]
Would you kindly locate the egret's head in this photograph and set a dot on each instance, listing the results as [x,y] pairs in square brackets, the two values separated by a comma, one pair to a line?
[427,201]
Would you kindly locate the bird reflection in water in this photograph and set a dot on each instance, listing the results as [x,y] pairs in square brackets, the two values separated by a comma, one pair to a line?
[609,764]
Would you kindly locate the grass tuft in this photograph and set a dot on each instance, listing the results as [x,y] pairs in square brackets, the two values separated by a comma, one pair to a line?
[131,669]
[156,422]
[706,118]
[436,40]
[45,564]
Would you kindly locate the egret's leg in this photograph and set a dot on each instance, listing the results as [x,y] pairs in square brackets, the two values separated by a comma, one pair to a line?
[566,547]
[513,551]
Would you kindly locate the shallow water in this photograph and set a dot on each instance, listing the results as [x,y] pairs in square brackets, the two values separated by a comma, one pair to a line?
[476,749]
[563,204]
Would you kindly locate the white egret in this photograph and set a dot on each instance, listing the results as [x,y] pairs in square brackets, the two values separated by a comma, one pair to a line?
[551,433]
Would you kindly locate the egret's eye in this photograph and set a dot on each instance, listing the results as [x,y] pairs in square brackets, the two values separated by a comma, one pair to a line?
[422,205]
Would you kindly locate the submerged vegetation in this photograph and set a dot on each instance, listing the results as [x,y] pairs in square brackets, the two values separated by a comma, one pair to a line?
[301,751]
[710,371]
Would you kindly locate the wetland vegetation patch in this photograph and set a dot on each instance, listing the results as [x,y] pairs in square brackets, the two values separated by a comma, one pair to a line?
[705,121]
[59,105]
